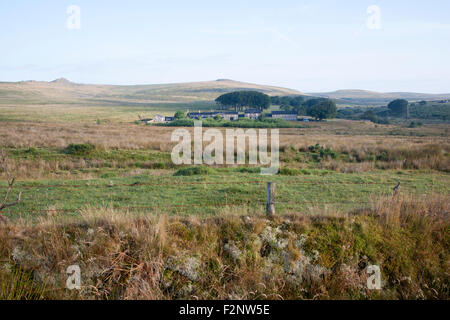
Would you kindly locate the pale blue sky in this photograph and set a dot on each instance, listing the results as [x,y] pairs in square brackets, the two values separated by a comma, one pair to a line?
[305,45]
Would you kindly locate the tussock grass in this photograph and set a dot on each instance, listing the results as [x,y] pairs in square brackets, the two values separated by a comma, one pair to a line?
[38,150]
[315,254]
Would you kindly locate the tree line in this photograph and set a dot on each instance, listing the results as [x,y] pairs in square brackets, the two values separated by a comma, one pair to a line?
[239,100]
[319,108]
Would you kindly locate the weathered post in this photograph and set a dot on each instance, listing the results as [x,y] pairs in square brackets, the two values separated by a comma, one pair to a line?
[270,205]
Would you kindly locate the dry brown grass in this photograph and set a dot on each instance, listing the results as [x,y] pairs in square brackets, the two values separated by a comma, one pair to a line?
[131,136]
[396,152]
[319,255]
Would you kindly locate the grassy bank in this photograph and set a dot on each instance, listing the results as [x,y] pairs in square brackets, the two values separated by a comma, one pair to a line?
[297,256]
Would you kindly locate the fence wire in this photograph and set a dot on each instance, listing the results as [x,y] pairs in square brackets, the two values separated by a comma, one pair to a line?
[281,202]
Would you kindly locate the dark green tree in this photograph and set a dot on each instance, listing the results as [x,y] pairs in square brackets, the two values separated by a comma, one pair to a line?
[325,109]
[241,99]
[398,107]
[369,115]
[287,102]
[180,114]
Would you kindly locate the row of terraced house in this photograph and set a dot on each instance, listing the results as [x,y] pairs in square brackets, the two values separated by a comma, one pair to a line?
[249,114]
[229,115]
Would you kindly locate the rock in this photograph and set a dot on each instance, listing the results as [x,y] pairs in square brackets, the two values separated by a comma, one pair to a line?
[271,237]
[186,266]
[303,269]
[23,259]
[301,241]
[269,234]
[315,255]
[232,250]
[187,290]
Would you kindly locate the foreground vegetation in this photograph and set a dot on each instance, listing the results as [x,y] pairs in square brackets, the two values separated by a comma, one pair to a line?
[323,255]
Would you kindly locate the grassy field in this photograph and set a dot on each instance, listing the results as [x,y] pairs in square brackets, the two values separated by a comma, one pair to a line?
[219,191]
[63,101]
[340,164]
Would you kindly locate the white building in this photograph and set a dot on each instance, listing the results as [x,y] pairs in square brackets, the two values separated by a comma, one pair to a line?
[159,118]
[252,114]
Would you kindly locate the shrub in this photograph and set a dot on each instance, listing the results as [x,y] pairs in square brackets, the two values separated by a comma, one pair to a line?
[158,165]
[82,149]
[321,152]
[32,151]
[108,175]
[191,171]
[415,124]
[249,170]
[289,172]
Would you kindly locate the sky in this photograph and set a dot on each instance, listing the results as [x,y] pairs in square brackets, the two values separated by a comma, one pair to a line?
[311,46]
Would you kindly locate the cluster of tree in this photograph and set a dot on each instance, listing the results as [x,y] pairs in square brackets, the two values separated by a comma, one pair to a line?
[319,108]
[374,117]
[430,110]
[398,107]
[287,102]
[239,100]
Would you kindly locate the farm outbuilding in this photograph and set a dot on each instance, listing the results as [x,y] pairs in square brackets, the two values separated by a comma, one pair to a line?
[285,115]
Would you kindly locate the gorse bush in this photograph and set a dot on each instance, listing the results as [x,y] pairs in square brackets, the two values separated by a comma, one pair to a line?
[322,152]
[289,171]
[82,149]
[190,171]
[415,124]
[248,169]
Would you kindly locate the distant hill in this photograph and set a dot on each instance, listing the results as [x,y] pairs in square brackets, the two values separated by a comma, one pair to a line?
[373,97]
[63,91]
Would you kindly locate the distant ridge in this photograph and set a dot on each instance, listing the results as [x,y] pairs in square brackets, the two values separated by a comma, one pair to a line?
[61,81]
[366,96]
[70,92]
[62,90]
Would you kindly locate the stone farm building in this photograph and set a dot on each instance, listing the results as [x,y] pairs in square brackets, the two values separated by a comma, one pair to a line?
[285,115]
[252,113]
[249,114]
[225,115]
[157,118]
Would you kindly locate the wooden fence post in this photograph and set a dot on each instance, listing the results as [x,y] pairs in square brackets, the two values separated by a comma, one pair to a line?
[270,205]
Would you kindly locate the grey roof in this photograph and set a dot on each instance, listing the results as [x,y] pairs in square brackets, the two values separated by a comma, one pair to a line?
[211,113]
[285,112]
